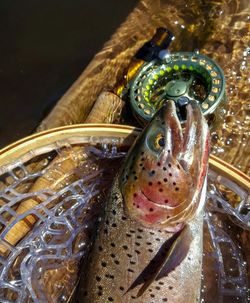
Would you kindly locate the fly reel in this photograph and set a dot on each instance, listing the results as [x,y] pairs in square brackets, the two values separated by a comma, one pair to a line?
[181,77]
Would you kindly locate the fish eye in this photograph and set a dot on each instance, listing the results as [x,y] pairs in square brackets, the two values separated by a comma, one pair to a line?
[159,141]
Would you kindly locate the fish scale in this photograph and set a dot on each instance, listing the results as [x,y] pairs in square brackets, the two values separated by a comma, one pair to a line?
[123,248]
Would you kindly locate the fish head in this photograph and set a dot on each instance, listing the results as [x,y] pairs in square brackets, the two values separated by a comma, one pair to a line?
[164,172]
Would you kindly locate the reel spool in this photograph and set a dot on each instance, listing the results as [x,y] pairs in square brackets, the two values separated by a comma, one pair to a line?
[181,77]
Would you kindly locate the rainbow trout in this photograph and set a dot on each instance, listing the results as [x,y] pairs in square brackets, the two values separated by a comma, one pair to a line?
[149,246]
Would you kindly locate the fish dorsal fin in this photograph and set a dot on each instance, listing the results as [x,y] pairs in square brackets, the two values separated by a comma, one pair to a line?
[170,255]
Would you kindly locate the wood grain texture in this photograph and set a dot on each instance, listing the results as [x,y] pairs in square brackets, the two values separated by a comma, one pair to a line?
[107,109]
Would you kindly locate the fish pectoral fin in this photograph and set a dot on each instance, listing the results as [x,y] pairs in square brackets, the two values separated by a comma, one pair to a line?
[177,252]
[169,256]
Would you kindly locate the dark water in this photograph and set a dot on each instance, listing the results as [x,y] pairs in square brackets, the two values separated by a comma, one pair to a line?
[44,46]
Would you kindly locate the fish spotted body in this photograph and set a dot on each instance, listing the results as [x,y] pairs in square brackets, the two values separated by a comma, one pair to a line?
[149,246]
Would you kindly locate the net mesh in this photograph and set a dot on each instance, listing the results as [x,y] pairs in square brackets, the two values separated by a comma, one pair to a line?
[57,230]
[226,233]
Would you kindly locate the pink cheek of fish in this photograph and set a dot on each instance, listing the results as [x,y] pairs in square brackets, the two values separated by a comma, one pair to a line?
[146,210]
[156,192]
[154,181]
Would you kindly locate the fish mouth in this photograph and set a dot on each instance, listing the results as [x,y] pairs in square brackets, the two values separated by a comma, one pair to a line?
[189,146]
[186,144]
